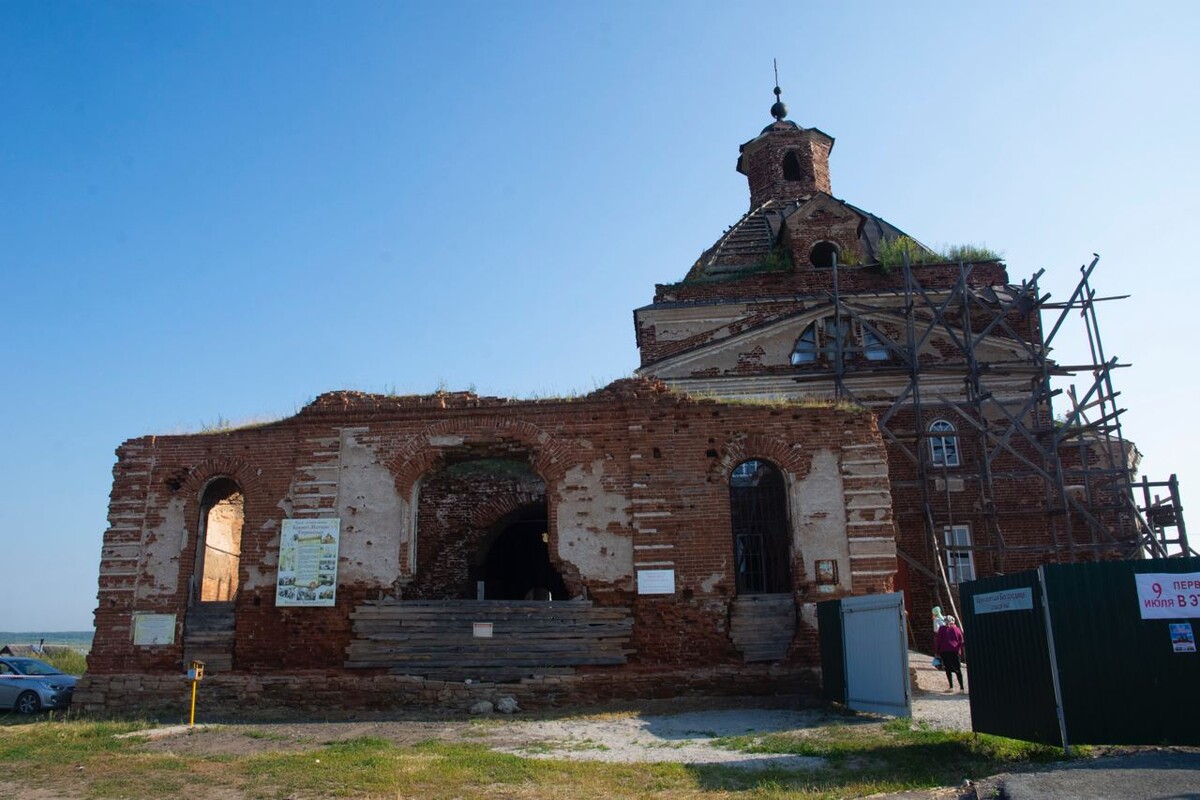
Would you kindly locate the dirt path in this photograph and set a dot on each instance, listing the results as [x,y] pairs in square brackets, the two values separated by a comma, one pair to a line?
[683,731]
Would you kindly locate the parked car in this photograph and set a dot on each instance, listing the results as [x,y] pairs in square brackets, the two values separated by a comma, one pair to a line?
[28,685]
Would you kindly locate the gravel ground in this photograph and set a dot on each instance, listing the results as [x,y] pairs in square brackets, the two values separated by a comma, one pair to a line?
[684,738]
[932,703]
[688,737]
[680,731]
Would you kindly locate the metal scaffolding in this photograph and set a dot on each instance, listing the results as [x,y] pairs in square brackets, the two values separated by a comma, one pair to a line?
[1079,462]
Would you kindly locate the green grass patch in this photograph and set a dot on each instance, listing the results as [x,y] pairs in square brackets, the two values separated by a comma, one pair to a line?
[45,743]
[84,757]
[896,755]
[890,253]
[776,401]
[71,662]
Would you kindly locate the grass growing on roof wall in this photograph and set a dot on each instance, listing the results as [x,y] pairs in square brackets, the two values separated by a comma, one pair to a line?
[774,401]
[890,253]
[85,758]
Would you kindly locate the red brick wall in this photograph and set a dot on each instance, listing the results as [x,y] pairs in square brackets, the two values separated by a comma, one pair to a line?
[666,456]
[457,514]
[763,166]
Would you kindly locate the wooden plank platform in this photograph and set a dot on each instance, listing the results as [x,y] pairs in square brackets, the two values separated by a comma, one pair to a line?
[208,634]
[762,625]
[436,638]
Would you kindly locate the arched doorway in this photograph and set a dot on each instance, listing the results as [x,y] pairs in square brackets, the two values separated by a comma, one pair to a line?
[208,631]
[761,536]
[515,558]
[762,619]
[222,515]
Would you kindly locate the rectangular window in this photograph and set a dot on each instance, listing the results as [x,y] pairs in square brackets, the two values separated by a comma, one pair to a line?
[960,561]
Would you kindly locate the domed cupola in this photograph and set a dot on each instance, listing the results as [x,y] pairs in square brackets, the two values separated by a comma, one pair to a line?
[785,162]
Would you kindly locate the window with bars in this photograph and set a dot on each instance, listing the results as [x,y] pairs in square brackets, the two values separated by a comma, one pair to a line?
[761,540]
[960,560]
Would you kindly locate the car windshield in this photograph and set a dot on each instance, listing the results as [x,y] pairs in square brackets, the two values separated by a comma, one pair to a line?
[31,666]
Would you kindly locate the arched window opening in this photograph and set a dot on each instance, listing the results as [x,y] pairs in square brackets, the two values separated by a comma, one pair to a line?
[805,350]
[761,536]
[515,563]
[943,444]
[792,169]
[824,254]
[222,515]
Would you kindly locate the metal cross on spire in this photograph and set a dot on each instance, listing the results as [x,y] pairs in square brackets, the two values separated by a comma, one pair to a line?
[778,110]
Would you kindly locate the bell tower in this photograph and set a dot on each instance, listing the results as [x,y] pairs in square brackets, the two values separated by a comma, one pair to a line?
[785,162]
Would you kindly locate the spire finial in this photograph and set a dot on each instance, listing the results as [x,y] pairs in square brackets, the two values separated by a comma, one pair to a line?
[779,110]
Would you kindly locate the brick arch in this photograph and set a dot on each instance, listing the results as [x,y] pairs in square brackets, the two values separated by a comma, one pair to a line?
[499,506]
[551,456]
[486,519]
[794,462]
[192,488]
[792,459]
[238,469]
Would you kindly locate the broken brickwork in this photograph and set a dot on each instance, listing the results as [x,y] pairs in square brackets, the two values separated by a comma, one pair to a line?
[632,477]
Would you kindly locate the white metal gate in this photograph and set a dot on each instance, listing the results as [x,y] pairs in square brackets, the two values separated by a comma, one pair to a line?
[876,648]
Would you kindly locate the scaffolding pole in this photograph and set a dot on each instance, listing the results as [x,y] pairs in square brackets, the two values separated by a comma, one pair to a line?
[1080,460]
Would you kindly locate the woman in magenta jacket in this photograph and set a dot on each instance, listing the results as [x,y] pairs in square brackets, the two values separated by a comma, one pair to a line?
[949,646]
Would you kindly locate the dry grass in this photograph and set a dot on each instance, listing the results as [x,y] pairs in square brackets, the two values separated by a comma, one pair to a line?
[84,759]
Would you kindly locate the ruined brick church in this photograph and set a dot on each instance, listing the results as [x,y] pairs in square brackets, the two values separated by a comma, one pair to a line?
[811,419]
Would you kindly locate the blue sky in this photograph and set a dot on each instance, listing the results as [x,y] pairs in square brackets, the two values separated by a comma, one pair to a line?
[220,210]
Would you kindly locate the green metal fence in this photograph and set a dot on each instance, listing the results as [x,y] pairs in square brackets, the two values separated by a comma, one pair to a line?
[833,656]
[1012,690]
[1089,652]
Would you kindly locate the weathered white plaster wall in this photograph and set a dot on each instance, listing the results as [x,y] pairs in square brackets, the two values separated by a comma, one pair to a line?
[818,511]
[262,575]
[594,525]
[162,547]
[371,510]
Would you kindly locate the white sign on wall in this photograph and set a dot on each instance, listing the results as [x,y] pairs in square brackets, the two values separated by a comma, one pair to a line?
[656,581]
[1007,600]
[308,559]
[153,629]
[1168,595]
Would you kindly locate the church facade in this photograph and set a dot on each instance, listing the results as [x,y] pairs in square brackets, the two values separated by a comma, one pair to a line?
[809,297]
[811,419]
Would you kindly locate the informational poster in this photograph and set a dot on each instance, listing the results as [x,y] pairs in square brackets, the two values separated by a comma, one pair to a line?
[1168,595]
[1183,639]
[153,629]
[1007,600]
[308,559]
[656,581]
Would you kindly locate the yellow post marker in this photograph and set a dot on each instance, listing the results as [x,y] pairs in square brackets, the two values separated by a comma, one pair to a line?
[195,675]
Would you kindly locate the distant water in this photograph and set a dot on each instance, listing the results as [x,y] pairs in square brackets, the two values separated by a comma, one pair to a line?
[80,640]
